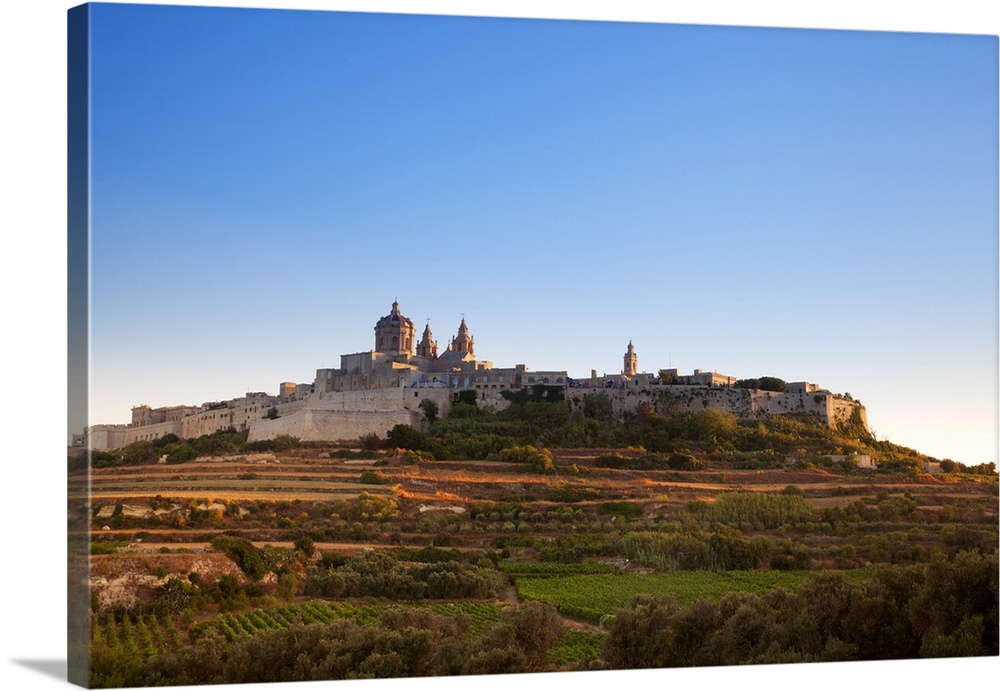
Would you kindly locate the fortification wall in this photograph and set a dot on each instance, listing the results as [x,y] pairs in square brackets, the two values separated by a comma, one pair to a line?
[150,432]
[333,425]
[348,415]
[106,437]
[207,422]
[744,403]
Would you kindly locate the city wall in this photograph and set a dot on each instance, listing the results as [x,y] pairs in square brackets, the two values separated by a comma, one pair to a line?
[153,431]
[106,437]
[348,415]
[744,403]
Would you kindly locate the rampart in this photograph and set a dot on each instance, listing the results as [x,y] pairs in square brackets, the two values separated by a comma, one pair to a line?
[348,415]
[751,404]
[106,437]
[153,431]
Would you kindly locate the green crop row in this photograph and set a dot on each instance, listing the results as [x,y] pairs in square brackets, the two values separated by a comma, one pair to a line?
[245,624]
[591,597]
[553,568]
[144,637]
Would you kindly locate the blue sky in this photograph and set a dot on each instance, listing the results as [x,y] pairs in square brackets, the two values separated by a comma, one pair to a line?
[810,204]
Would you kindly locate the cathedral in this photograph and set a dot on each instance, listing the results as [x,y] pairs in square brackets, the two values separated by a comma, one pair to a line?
[398,361]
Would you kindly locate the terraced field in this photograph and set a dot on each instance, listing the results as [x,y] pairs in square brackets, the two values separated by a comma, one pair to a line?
[582,538]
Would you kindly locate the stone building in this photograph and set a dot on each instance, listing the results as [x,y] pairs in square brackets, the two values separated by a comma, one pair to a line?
[376,389]
[397,362]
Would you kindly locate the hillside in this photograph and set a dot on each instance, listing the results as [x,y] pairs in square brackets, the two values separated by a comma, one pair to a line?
[530,515]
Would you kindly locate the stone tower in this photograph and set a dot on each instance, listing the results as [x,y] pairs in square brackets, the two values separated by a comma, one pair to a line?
[631,361]
[394,333]
[463,343]
[427,347]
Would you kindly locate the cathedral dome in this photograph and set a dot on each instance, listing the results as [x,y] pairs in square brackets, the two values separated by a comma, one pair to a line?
[394,333]
[394,318]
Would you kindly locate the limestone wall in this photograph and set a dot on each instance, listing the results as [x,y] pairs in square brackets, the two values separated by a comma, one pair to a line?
[348,415]
[106,437]
[207,422]
[745,403]
[329,425]
[150,432]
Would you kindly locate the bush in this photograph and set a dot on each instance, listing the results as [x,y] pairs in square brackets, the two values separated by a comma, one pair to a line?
[182,454]
[240,550]
[569,494]
[374,477]
[625,509]
[405,437]
[682,461]
[539,459]
[304,544]
[370,442]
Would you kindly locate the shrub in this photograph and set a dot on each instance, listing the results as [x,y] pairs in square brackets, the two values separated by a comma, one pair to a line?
[241,551]
[539,459]
[625,509]
[374,477]
[304,544]
[370,442]
[405,437]
[569,494]
[182,454]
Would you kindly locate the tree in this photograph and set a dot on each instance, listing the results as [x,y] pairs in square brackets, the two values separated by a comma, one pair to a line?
[430,409]
[643,636]
[304,544]
[519,642]
[272,414]
[772,384]
[405,437]
[598,406]
[468,396]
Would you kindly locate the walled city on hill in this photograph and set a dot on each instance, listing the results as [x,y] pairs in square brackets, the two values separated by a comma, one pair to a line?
[374,390]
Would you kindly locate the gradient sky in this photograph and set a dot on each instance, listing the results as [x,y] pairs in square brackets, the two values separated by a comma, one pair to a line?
[809,204]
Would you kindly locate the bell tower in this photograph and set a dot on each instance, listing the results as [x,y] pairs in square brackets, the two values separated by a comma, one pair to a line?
[631,361]
[463,343]
[427,347]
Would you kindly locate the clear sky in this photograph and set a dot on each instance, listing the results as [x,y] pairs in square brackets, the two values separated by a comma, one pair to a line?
[809,204]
